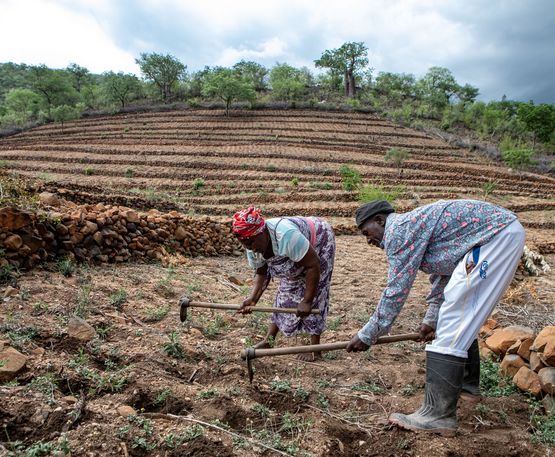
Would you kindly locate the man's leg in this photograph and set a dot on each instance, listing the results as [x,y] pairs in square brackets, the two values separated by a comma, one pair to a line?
[469,299]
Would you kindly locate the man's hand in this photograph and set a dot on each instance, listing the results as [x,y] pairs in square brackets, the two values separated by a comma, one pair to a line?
[247,305]
[356,345]
[304,308]
[426,333]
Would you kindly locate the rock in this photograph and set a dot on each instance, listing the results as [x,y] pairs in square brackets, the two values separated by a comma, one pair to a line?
[547,380]
[13,219]
[536,363]
[511,364]
[70,399]
[180,233]
[548,356]
[50,199]
[125,410]
[549,405]
[79,329]
[528,381]
[547,334]
[39,352]
[514,348]
[503,339]
[524,349]
[89,227]
[131,216]
[13,242]
[10,292]
[488,327]
[13,362]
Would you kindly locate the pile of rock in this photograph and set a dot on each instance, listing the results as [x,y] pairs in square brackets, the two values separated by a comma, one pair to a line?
[527,358]
[104,233]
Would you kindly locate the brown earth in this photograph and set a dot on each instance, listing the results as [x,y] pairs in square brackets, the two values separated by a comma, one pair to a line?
[334,407]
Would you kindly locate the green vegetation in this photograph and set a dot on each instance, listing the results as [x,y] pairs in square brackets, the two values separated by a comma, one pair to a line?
[397,157]
[492,383]
[351,178]
[378,192]
[35,94]
[173,347]
[119,298]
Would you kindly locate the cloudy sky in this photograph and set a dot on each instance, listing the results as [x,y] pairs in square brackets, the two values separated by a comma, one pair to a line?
[501,46]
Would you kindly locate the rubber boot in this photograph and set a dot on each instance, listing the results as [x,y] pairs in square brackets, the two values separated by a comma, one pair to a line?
[471,381]
[438,414]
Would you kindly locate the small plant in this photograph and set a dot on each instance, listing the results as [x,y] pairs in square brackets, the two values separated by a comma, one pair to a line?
[321,185]
[301,393]
[89,171]
[163,397]
[215,326]
[157,314]
[66,267]
[322,401]
[368,386]
[40,307]
[129,173]
[281,386]
[377,192]
[330,355]
[270,167]
[119,298]
[7,272]
[46,384]
[488,188]
[198,184]
[262,410]
[408,390]
[492,383]
[103,331]
[173,348]
[351,178]
[83,299]
[207,394]
[295,182]
[397,157]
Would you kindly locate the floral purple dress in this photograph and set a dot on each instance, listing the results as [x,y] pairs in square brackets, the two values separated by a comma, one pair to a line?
[292,275]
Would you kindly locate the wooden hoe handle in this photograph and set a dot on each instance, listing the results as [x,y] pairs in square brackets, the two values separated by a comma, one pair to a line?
[230,306]
[252,353]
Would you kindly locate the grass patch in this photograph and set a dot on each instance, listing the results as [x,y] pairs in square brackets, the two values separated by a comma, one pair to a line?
[378,192]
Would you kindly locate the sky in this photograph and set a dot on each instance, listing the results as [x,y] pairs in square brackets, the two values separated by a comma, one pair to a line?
[503,47]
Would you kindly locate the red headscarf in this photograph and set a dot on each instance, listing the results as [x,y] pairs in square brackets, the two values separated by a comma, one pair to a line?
[248,223]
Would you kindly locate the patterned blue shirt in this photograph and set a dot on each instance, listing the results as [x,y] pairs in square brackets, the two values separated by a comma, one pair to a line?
[433,239]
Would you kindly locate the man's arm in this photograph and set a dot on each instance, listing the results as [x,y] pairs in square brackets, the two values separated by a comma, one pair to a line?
[403,266]
[435,299]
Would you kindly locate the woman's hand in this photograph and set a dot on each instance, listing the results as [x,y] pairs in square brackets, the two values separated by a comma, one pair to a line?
[426,333]
[303,308]
[356,345]
[246,307]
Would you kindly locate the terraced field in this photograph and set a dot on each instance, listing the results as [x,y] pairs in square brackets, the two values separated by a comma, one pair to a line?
[286,162]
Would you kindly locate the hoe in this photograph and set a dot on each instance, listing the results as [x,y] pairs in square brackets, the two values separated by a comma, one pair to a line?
[251,353]
[186,303]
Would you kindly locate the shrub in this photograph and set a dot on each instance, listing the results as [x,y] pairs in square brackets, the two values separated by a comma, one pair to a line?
[351,178]
[378,192]
[397,157]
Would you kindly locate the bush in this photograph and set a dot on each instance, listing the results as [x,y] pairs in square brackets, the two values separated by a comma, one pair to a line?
[378,192]
[351,178]
[515,155]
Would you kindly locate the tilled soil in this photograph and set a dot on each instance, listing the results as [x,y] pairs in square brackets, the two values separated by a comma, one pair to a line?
[190,389]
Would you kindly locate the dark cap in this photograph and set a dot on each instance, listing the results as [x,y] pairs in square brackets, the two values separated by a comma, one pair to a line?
[370,209]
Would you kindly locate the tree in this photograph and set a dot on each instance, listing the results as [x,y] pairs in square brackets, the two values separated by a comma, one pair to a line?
[53,87]
[121,87]
[538,119]
[228,85]
[163,70]
[348,60]
[396,86]
[79,75]
[64,113]
[437,87]
[252,72]
[287,82]
[22,102]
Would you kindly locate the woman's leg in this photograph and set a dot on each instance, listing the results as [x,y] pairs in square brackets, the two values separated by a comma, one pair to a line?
[272,333]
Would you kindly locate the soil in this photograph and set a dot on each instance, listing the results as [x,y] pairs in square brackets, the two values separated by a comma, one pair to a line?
[335,407]
[186,381]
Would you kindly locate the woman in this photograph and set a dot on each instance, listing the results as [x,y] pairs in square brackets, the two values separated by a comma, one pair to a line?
[300,252]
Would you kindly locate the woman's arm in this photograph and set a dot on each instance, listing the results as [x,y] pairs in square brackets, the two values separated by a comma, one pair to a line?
[257,290]
[311,263]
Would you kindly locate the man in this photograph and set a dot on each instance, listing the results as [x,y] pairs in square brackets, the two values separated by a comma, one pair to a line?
[471,250]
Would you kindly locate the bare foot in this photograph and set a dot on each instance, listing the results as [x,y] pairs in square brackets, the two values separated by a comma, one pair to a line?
[310,356]
[262,345]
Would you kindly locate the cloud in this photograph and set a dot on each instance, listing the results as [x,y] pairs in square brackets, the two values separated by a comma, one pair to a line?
[499,46]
